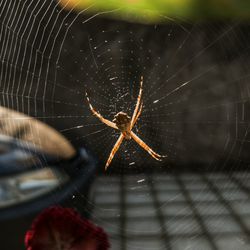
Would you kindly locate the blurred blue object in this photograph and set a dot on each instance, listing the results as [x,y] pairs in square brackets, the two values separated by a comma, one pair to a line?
[18,156]
[31,179]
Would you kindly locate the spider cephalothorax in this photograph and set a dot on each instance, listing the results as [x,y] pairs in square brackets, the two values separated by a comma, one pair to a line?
[125,124]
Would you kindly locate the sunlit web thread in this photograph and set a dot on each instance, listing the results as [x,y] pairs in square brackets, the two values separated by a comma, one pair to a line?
[34,74]
[42,52]
[117,97]
[21,39]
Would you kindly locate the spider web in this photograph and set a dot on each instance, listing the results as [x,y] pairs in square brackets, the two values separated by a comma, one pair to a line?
[195,95]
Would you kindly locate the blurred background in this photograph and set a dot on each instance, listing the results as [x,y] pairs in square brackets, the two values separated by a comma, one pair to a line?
[194,58]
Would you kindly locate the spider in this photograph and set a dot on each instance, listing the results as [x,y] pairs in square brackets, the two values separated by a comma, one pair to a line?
[124,123]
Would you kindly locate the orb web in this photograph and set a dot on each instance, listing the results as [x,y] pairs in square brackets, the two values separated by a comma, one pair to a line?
[195,88]
[51,57]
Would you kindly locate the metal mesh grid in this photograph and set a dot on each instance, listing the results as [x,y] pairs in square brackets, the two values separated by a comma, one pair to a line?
[177,211]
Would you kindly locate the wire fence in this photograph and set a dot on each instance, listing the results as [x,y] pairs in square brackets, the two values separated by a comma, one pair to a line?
[177,211]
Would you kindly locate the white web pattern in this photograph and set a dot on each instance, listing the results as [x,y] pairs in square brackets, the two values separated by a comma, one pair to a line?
[195,96]
[195,101]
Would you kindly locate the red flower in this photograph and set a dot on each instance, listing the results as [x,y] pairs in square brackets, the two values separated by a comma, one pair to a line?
[58,228]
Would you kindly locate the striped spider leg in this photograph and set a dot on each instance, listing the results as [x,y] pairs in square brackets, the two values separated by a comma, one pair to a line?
[98,115]
[124,124]
[136,114]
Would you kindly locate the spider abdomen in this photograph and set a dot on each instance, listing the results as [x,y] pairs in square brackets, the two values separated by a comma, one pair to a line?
[122,121]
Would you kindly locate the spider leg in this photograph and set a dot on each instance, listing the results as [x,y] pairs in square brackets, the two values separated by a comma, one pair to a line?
[137,106]
[146,147]
[98,115]
[114,150]
[137,116]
